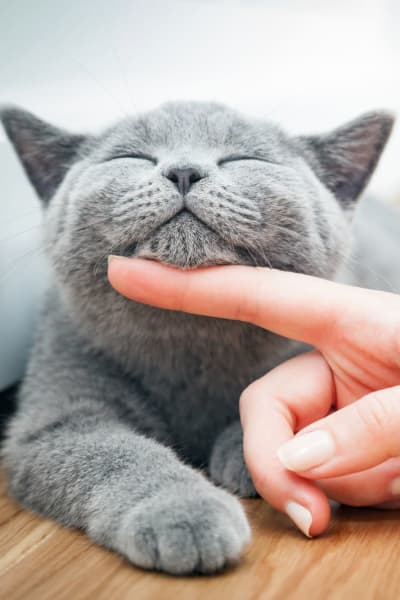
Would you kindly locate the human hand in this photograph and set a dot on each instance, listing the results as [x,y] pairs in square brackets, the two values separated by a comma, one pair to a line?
[333,414]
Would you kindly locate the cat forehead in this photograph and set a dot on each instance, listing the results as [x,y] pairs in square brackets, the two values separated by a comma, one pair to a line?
[195,124]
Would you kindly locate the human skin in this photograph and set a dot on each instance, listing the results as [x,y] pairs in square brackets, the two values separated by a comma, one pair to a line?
[332,414]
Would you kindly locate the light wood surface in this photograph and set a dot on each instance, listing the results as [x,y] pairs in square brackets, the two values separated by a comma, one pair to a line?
[358,558]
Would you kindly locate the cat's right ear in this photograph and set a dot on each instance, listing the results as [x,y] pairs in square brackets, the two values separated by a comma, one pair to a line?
[346,157]
[46,152]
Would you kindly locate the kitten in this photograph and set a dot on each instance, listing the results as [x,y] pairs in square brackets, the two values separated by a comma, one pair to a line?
[122,402]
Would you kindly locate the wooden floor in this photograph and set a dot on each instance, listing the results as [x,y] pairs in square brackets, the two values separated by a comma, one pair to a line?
[358,558]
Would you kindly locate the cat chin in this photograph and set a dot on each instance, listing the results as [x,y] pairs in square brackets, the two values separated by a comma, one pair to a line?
[178,245]
[186,262]
[193,258]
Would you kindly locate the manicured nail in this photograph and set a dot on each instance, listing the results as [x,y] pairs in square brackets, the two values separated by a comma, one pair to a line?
[307,451]
[394,487]
[300,516]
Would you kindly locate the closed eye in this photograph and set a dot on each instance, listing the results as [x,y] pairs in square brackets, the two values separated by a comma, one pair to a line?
[135,156]
[238,157]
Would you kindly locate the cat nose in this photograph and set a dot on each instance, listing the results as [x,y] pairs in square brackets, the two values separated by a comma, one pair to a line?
[183,178]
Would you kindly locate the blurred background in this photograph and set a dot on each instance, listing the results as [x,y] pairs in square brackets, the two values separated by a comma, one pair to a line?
[307,64]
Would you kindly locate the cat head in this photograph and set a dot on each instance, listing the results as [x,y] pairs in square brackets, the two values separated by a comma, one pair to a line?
[193,184]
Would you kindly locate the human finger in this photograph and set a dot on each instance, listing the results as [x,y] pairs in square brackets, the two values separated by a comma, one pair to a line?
[290,304]
[272,408]
[357,437]
[375,486]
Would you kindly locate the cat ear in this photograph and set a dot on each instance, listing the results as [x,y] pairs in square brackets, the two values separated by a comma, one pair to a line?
[46,152]
[345,158]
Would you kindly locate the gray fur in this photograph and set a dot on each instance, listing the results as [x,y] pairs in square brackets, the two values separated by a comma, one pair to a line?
[227,466]
[122,400]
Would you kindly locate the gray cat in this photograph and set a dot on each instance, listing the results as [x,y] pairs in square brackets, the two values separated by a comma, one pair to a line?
[122,402]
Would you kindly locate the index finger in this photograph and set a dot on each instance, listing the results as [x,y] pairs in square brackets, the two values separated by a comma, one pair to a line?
[296,306]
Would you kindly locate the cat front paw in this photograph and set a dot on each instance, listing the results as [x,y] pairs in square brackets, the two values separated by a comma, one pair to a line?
[227,467]
[185,530]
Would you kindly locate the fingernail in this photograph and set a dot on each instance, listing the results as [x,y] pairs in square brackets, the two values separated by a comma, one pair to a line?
[394,487]
[113,257]
[300,516]
[307,451]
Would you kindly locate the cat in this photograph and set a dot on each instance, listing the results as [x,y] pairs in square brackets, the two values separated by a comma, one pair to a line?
[125,409]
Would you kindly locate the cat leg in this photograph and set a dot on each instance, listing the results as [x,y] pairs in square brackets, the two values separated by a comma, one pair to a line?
[131,494]
[227,467]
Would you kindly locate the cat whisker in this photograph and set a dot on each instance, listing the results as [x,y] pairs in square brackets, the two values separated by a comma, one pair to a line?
[20,233]
[21,215]
[351,263]
[16,262]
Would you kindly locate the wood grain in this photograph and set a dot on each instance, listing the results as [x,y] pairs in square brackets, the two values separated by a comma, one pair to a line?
[357,558]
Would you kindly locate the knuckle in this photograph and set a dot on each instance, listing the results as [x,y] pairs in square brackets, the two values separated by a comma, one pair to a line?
[243,401]
[244,396]
[378,411]
[249,309]
[248,394]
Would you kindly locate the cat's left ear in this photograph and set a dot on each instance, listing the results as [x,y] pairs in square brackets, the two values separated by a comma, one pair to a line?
[45,152]
[345,158]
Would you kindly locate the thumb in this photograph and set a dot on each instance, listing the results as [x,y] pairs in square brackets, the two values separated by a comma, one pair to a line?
[360,436]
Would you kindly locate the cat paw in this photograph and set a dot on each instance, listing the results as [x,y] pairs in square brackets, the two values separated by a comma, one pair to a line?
[185,531]
[227,467]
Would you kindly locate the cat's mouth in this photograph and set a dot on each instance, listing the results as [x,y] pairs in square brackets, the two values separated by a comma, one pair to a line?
[187,242]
